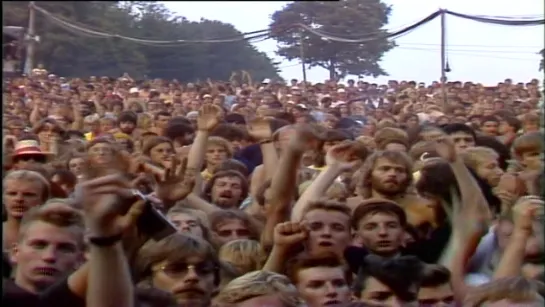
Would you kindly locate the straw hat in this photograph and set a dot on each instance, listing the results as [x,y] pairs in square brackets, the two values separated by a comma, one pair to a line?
[28,148]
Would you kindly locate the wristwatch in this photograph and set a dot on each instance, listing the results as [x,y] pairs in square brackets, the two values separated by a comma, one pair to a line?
[105,241]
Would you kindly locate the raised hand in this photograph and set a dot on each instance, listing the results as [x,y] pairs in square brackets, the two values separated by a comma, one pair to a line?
[445,148]
[506,197]
[107,205]
[344,155]
[209,117]
[260,129]
[305,138]
[176,184]
[288,234]
[525,211]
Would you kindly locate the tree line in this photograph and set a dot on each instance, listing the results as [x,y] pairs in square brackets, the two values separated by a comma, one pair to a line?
[76,55]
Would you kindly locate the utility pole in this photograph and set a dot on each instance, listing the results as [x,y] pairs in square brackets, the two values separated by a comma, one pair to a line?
[443,61]
[30,39]
[302,51]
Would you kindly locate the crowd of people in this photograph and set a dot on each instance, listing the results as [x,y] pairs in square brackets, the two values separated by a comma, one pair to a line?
[122,192]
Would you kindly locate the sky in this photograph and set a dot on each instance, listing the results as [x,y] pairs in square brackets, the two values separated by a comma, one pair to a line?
[476,51]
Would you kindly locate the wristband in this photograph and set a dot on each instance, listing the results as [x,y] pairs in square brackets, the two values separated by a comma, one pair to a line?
[105,241]
[265,142]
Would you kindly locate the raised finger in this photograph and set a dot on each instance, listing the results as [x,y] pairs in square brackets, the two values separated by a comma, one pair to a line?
[180,169]
[173,166]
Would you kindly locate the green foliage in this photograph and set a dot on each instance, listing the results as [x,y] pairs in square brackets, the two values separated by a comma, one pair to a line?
[344,18]
[70,54]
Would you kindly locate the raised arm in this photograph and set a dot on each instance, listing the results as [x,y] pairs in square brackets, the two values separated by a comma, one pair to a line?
[470,193]
[77,124]
[209,117]
[98,106]
[339,159]
[283,187]
[466,233]
[109,278]
[260,130]
[524,213]
[35,116]
[286,236]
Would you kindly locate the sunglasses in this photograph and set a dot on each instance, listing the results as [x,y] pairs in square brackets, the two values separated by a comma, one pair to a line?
[180,269]
[35,158]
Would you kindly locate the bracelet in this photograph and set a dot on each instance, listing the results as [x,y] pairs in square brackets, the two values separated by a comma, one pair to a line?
[265,142]
[105,241]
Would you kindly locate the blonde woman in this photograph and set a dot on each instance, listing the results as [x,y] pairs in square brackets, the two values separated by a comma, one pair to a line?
[259,288]
[245,255]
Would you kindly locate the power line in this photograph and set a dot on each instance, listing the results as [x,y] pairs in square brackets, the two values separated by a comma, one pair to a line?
[68,25]
[476,46]
[262,35]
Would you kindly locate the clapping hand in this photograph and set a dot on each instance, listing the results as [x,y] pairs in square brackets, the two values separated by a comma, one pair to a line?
[344,156]
[260,129]
[176,184]
[305,138]
[526,210]
[108,207]
[209,117]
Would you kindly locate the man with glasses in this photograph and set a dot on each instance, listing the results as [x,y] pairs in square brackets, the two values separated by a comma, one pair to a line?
[183,265]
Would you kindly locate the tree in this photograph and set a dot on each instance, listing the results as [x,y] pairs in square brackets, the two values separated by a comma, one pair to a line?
[345,19]
[72,54]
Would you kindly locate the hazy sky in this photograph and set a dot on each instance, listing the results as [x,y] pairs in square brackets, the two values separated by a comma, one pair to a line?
[476,51]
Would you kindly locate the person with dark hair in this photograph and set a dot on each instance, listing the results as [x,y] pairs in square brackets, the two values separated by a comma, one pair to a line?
[509,128]
[322,280]
[490,125]
[181,133]
[380,225]
[389,282]
[235,119]
[236,136]
[435,289]
[462,135]
[127,121]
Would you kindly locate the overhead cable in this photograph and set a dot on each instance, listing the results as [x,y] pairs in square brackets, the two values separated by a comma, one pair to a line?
[398,33]
[504,22]
[262,35]
[68,25]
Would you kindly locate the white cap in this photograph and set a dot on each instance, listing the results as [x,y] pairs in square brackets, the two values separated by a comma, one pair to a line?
[341,90]
[207,96]
[133,90]
[266,81]
[302,106]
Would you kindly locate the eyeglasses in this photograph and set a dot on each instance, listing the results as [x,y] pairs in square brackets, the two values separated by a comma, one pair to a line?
[180,269]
